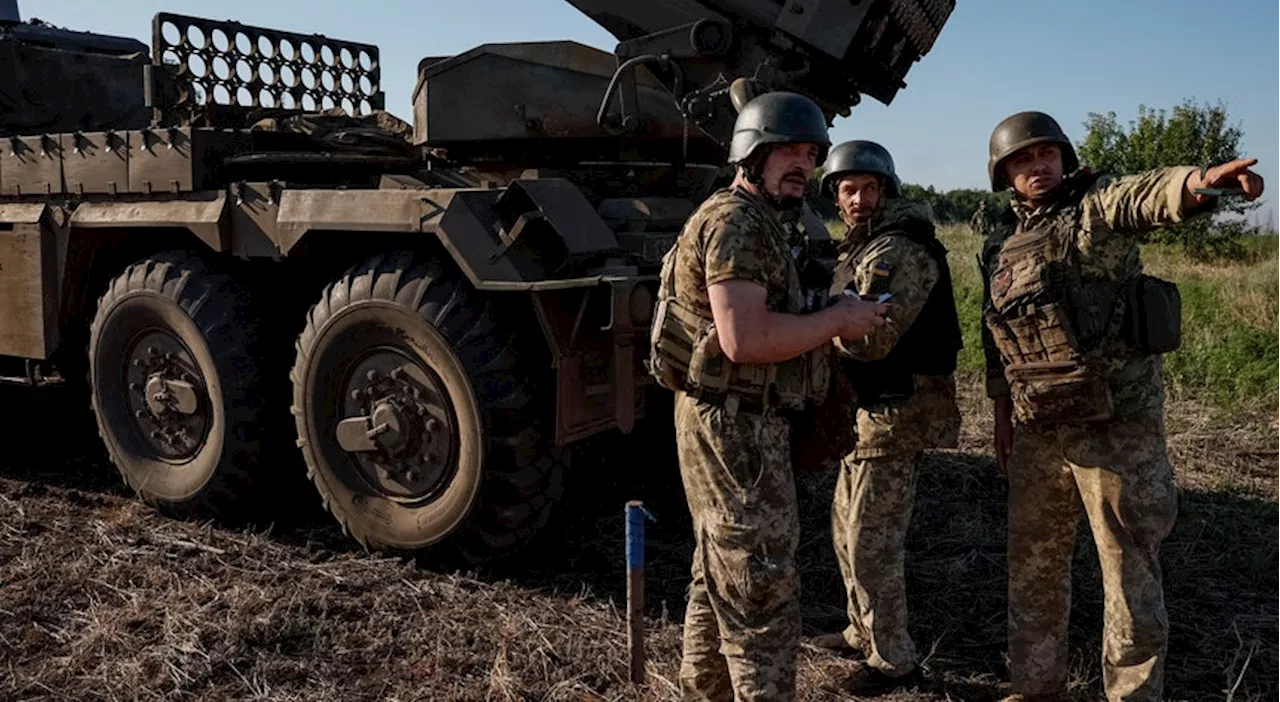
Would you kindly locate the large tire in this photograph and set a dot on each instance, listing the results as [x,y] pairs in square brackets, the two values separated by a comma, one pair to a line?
[467,473]
[175,386]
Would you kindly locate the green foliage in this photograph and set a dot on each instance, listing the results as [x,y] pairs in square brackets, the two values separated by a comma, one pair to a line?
[1189,135]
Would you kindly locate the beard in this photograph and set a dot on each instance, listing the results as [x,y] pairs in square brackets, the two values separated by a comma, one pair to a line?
[781,201]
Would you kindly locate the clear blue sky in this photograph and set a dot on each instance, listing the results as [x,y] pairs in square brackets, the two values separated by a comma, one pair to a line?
[993,58]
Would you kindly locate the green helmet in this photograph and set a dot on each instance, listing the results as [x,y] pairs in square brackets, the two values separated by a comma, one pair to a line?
[861,156]
[776,118]
[1024,129]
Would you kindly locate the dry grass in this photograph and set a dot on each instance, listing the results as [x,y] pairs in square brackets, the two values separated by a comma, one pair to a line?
[100,599]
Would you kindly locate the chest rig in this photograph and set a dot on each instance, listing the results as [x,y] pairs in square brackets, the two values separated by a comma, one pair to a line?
[685,352]
[1049,323]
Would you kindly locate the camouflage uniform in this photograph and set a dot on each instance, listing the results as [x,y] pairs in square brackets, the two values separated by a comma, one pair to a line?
[875,491]
[742,622]
[1116,472]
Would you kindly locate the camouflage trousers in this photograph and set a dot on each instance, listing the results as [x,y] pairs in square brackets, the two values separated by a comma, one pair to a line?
[869,517]
[742,621]
[871,510]
[1118,475]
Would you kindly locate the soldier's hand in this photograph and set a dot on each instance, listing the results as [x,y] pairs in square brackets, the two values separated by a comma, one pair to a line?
[858,317]
[1233,174]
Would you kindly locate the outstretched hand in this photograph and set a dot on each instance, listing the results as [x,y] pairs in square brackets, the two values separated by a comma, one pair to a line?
[1231,175]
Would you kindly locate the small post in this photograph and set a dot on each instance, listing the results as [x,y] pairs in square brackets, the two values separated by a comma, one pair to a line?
[636,513]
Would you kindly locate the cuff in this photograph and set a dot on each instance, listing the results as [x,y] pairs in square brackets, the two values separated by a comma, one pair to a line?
[1175,189]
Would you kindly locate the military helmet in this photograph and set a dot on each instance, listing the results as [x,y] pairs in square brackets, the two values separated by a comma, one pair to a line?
[860,156]
[1024,129]
[775,118]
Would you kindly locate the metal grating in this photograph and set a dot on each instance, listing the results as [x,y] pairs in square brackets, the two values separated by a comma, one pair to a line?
[240,66]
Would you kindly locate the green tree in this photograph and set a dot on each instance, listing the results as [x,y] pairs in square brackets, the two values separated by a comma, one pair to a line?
[1188,135]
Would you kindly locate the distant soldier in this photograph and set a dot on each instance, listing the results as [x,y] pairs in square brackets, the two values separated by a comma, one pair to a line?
[979,222]
[903,374]
[732,337]
[1074,333]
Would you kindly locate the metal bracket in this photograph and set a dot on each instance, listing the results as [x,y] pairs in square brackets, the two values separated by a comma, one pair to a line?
[509,237]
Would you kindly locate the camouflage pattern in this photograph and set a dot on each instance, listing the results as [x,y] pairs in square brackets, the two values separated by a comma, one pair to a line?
[735,236]
[1116,472]
[1119,475]
[1113,215]
[875,490]
[742,621]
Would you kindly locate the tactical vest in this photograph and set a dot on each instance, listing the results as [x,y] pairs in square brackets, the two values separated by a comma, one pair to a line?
[930,344]
[1052,326]
[685,355]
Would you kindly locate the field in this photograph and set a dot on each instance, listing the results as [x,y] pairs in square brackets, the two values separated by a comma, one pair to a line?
[100,599]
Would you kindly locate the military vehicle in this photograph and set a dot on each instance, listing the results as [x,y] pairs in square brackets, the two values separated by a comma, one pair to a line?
[241,252]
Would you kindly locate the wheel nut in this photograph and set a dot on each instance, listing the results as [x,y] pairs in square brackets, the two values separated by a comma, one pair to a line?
[395,373]
[432,424]
[135,387]
[152,350]
[356,394]
[372,375]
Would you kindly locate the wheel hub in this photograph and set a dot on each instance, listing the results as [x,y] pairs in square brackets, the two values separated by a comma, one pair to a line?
[398,427]
[166,396]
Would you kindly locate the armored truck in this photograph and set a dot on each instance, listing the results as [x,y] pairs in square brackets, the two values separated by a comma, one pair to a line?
[242,255]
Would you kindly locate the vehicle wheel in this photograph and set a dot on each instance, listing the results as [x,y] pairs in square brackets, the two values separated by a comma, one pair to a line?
[415,413]
[175,385]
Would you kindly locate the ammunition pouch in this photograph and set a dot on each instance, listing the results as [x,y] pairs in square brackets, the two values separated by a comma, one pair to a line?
[1048,392]
[671,338]
[1153,319]
[686,355]
[794,384]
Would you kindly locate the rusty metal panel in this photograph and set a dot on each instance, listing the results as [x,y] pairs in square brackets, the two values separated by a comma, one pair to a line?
[28,277]
[96,162]
[182,159]
[203,213]
[586,388]
[302,211]
[32,165]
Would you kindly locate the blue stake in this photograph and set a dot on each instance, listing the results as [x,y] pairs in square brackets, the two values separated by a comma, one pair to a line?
[636,514]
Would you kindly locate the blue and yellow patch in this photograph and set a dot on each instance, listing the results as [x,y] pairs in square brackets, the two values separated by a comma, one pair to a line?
[882,269]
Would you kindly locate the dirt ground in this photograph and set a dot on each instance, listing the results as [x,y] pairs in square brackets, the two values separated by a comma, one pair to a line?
[101,599]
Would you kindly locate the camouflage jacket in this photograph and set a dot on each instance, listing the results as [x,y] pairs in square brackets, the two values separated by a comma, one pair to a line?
[1114,214]
[874,262]
[735,235]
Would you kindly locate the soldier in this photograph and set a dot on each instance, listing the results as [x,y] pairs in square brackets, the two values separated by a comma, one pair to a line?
[903,374]
[978,222]
[731,339]
[1073,335]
